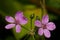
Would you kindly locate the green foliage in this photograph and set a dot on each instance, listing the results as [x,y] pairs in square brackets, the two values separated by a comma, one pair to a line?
[10,7]
[52,17]
[53,3]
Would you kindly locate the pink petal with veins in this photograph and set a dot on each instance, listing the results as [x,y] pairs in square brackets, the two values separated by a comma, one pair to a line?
[9,26]
[37,23]
[50,26]
[40,31]
[9,19]
[18,28]
[45,19]
[47,33]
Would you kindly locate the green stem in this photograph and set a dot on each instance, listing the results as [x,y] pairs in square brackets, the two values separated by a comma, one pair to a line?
[31,18]
[26,37]
[43,7]
[31,24]
[26,28]
[33,37]
[32,29]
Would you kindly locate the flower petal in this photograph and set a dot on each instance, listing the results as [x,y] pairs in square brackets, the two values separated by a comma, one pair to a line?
[23,21]
[47,33]
[45,19]
[9,26]
[9,19]
[19,15]
[50,26]
[40,31]
[37,23]
[18,28]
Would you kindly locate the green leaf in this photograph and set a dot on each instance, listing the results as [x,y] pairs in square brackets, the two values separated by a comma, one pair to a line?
[29,7]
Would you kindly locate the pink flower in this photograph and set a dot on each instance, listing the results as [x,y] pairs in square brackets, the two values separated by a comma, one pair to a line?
[17,21]
[45,26]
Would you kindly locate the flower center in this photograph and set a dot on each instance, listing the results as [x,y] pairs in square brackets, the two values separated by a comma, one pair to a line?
[24,18]
[43,26]
[16,21]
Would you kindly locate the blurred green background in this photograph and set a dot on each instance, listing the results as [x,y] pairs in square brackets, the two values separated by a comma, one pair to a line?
[10,7]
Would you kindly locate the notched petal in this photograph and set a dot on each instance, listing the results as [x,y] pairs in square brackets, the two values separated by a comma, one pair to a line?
[45,19]
[23,21]
[18,15]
